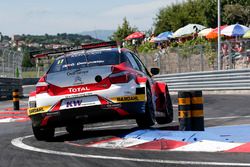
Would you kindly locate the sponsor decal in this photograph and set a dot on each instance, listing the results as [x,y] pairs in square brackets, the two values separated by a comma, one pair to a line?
[80,102]
[78,80]
[90,62]
[80,89]
[79,95]
[60,61]
[109,106]
[73,103]
[123,99]
[68,65]
[77,72]
[37,110]
[129,98]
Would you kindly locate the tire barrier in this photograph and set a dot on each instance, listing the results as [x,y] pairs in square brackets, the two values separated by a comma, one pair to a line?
[15,95]
[190,111]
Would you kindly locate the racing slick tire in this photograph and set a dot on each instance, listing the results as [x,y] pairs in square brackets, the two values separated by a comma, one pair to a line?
[168,111]
[74,129]
[43,133]
[147,119]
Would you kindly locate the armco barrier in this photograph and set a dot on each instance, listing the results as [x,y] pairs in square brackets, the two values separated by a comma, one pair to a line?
[7,85]
[209,80]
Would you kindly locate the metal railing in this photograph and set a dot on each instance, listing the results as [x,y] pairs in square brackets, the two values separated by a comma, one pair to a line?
[209,80]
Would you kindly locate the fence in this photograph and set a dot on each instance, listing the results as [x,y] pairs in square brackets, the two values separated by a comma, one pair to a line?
[10,63]
[208,80]
[234,55]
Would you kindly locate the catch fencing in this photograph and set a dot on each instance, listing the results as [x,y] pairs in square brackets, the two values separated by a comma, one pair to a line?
[10,72]
[10,63]
[235,54]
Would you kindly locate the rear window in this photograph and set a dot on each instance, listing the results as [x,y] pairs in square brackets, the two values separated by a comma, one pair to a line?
[81,60]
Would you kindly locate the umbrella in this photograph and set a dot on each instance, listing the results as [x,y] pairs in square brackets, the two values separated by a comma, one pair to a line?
[204,32]
[163,36]
[214,32]
[135,35]
[247,34]
[234,30]
[188,30]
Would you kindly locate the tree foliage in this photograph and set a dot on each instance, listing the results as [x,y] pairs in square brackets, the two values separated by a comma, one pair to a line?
[123,31]
[202,12]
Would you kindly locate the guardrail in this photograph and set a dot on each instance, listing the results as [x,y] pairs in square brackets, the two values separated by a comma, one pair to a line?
[209,80]
[7,85]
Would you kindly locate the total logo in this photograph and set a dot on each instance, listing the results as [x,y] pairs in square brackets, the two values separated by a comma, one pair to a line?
[80,89]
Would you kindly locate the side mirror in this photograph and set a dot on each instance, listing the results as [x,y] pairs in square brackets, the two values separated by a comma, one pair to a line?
[155,71]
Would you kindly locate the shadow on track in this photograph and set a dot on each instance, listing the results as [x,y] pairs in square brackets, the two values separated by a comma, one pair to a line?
[88,135]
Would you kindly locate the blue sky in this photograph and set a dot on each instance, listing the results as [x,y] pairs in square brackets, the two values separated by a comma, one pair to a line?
[74,16]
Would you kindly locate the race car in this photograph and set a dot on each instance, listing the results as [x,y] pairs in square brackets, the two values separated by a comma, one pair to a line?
[96,83]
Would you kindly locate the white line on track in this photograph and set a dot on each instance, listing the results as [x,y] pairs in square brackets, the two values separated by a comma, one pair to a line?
[231,117]
[18,142]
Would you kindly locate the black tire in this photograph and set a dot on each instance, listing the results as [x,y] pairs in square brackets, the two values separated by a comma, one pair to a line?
[147,119]
[74,129]
[43,133]
[168,111]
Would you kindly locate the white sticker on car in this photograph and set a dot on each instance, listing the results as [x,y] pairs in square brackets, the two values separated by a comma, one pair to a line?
[80,102]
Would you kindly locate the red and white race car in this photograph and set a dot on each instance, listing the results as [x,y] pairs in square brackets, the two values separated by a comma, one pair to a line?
[96,83]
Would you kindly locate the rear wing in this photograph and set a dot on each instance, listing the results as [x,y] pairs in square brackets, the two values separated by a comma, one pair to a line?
[61,51]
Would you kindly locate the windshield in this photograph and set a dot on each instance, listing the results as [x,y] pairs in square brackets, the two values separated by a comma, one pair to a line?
[81,60]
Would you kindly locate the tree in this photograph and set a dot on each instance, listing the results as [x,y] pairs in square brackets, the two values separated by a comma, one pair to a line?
[236,14]
[123,31]
[26,57]
[202,12]
[173,17]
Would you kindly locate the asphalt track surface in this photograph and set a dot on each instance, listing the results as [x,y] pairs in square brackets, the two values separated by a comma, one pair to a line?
[219,110]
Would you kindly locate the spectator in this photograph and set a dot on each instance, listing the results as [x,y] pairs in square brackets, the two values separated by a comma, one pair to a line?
[224,48]
[238,47]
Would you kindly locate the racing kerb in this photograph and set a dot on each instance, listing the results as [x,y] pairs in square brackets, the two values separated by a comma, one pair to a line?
[208,80]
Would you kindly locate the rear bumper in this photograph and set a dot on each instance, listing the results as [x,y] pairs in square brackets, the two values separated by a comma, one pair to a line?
[89,114]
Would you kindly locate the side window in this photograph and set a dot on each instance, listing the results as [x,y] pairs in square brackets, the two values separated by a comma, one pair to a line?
[132,61]
[141,65]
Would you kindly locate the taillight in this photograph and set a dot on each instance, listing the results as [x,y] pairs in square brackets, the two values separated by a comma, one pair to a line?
[42,89]
[42,86]
[121,77]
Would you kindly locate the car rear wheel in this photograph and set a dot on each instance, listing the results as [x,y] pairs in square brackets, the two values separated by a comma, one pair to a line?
[147,119]
[168,111]
[43,133]
[74,129]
